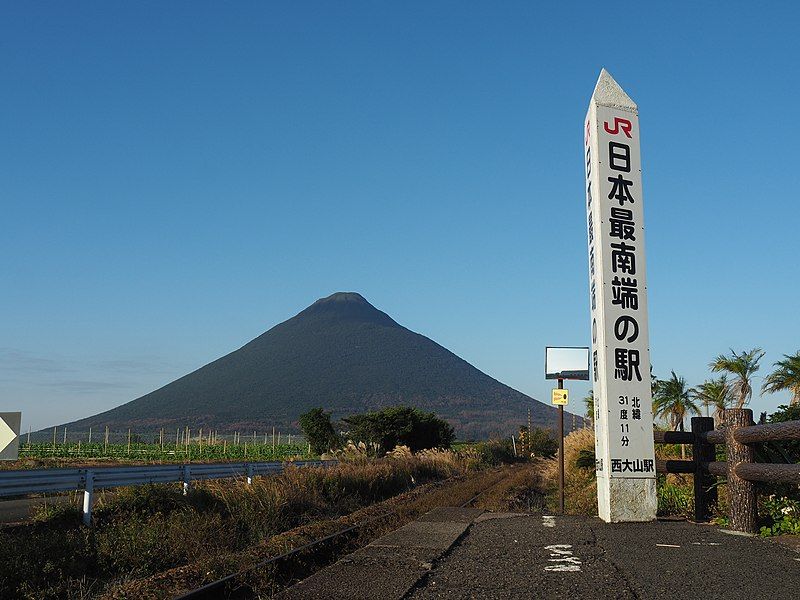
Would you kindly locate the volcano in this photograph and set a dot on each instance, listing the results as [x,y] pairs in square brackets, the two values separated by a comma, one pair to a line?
[340,353]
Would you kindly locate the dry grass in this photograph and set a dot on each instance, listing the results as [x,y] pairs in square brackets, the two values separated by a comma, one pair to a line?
[498,483]
[580,484]
[144,530]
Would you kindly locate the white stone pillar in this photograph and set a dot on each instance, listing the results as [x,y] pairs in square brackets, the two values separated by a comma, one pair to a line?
[620,357]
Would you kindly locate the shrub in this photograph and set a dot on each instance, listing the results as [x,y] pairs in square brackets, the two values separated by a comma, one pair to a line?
[580,484]
[495,452]
[543,442]
[782,515]
[401,425]
[675,498]
[318,430]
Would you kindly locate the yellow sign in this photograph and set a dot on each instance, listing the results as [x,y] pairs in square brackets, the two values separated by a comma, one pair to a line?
[560,397]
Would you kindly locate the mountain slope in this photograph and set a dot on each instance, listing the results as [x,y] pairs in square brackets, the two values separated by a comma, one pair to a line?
[340,353]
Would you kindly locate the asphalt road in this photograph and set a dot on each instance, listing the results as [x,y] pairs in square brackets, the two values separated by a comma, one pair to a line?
[531,556]
[16,511]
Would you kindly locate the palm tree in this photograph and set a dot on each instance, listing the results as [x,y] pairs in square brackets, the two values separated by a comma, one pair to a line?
[653,381]
[673,401]
[786,376]
[588,400]
[716,393]
[742,366]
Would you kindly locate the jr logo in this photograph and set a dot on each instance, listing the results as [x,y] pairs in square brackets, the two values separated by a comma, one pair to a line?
[622,124]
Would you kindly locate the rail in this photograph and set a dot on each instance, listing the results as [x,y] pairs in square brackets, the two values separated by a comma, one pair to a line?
[39,481]
[739,436]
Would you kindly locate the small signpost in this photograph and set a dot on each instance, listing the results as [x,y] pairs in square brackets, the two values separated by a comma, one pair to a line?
[564,363]
[560,397]
[9,435]
[625,459]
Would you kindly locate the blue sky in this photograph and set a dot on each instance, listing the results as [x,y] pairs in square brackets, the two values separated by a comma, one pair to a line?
[178,177]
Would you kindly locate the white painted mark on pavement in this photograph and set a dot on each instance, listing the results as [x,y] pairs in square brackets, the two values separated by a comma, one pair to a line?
[561,554]
[706,544]
[667,546]
[548,521]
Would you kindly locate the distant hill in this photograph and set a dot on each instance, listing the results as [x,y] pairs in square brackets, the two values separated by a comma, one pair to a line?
[340,353]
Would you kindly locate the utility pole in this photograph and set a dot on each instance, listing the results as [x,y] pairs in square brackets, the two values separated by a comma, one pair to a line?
[528,436]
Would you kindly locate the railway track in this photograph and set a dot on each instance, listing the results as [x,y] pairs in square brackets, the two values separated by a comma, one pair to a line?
[235,585]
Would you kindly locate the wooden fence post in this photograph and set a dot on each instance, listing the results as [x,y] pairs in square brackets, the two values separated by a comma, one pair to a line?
[741,493]
[705,490]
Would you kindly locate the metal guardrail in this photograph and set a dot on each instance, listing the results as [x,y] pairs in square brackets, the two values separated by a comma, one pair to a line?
[740,468]
[39,481]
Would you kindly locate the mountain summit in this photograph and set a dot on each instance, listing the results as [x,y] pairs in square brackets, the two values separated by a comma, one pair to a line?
[350,306]
[340,353]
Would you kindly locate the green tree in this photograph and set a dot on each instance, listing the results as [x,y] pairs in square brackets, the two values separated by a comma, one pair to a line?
[543,442]
[653,381]
[673,401]
[318,430]
[716,393]
[786,376]
[742,366]
[588,401]
[789,450]
[400,425]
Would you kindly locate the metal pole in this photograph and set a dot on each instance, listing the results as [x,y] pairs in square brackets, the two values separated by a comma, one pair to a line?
[88,498]
[561,451]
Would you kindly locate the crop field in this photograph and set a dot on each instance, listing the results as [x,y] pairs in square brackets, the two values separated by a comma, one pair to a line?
[140,451]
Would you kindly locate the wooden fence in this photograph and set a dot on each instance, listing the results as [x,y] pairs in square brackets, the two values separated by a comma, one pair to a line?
[740,435]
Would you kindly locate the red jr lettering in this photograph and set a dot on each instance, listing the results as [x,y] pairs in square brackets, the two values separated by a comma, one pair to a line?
[622,124]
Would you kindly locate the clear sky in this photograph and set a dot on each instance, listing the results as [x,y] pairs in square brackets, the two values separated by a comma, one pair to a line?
[178,177]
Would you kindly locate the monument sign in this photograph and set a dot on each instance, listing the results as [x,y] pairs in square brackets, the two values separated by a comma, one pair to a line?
[620,354]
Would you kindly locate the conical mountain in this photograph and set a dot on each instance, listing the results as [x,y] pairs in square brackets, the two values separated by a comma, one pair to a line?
[340,353]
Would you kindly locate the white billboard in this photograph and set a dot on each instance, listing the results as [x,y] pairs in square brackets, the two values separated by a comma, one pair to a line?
[620,354]
[564,362]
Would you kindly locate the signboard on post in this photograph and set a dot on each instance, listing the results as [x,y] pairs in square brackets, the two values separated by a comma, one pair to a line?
[9,435]
[564,362]
[620,360]
[560,397]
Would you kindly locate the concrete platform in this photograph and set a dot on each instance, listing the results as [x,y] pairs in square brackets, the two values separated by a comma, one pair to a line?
[464,553]
[390,566]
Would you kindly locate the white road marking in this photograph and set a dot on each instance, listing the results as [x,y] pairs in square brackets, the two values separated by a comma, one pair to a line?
[706,544]
[667,546]
[561,554]
[742,533]
[548,521]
